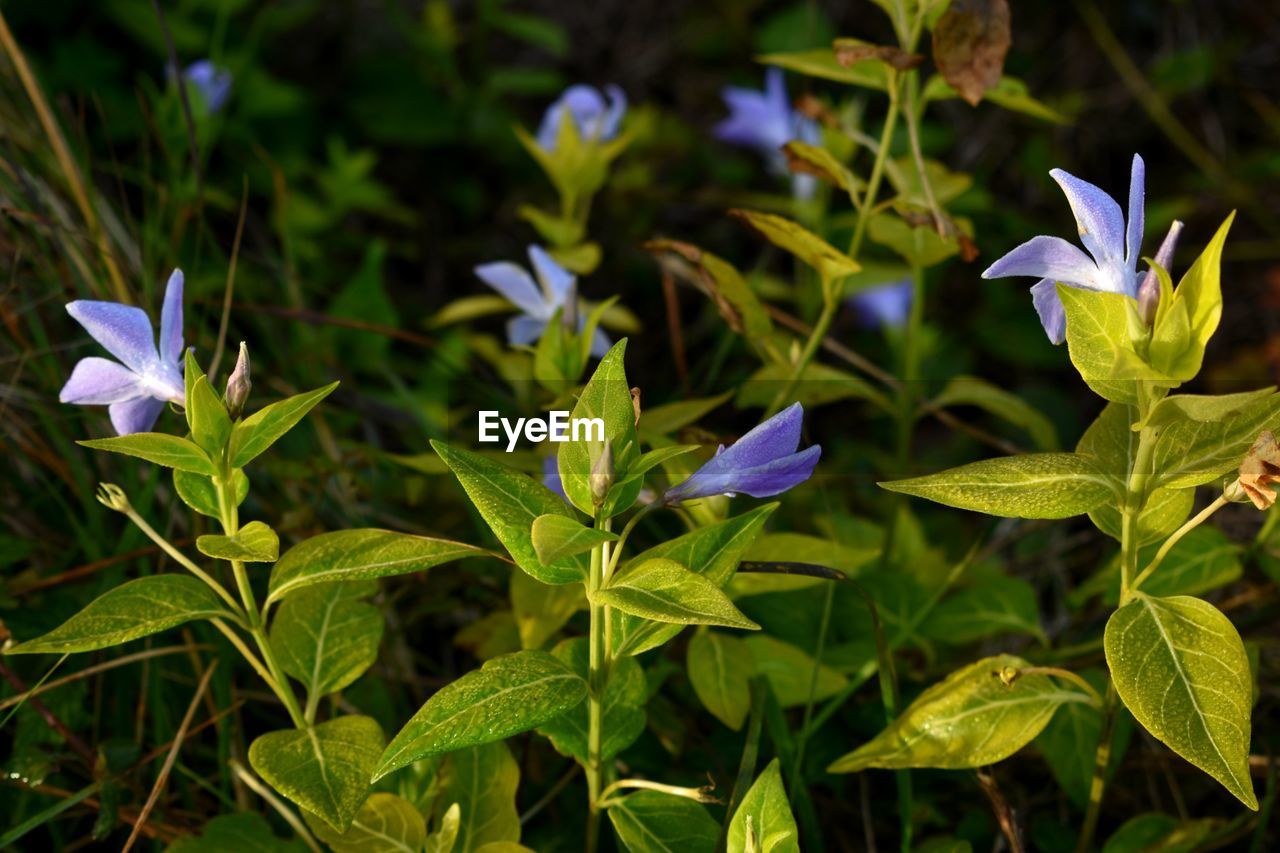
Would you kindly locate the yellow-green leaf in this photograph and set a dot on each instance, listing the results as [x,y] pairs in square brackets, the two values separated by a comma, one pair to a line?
[253,543]
[264,427]
[720,670]
[829,262]
[665,591]
[385,824]
[170,451]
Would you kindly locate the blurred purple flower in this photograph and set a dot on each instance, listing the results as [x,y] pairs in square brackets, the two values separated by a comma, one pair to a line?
[551,476]
[762,463]
[135,389]
[539,305]
[212,82]
[766,121]
[1115,248]
[885,306]
[595,118]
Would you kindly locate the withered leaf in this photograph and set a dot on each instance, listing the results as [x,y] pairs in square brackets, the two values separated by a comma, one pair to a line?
[852,51]
[1260,470]
[969,45]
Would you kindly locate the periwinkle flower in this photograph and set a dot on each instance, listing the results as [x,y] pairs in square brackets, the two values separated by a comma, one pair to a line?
[762,463]
[1115,248]
[885,306]
[554,290]
[596,117]
[136,388]
[213,83]
[551,476]
[766,121]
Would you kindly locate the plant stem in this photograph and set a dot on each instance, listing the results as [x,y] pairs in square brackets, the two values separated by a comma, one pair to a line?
[185,562]
[1177,535]
[597,678]
[1102,758]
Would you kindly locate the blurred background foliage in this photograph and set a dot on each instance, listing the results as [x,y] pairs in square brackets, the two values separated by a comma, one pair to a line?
[370,146]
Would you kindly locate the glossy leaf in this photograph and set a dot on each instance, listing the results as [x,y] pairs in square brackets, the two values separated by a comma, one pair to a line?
[508,695]
[654,822]
[623,707]
[359,554]
[765,815]
[253,543]
[483,781]
[1163,513]
[607,396]
[263,428]
[556,537]
[665,591]
[325,637]
[1192,452]
[510,501]
[829,262]
[324,768]
[720,670]
[197,491]
[207,417]
[1201,561]
[1181,669]
[136,609]
[822,63]
[158,448]
[1035,485]
[385,824]
[970,719]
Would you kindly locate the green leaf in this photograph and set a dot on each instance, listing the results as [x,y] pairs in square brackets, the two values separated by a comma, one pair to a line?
[654,822]
[1155,832]
[821,62]
[1198,297]
[540,610]
[622,708]
[446,837]
[1203,560]
[325,768]
[208,419]
[653,458]
[253,543]
[1100,331]
[1070,742]
[765,816]
[789,671]
[607,397]
[347,555]
[829,262]
[720,670]
[555,230]
[325,637]
[508,695]
[483,781]
[1179,665]
[197,491]
[665,591]
[712,551]
[818,385]
[732,296]
[1163,513]
[557,537]
[1010,93]
[668,418]
[264,427]
[136,609]
[917,244]
[244,832]
[1035,485]
[509,501]
[806,159]
[158,448]
[1191,452]
[993,606]
[385,824]
[970,719]
[970,391]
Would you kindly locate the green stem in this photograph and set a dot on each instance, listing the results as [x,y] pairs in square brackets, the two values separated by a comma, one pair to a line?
[1135,499]
[597,678]
[185,562]
[1177,535]
[1073,677]
[1101,760]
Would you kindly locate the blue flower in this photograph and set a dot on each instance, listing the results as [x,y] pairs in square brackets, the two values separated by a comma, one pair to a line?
[1114,249]
[762,463]
[551,476]
[213,83]
[538,304]
[765,121]
[885,306]
[596,119]
[136,388]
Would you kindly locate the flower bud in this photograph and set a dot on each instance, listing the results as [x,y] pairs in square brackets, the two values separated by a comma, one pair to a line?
[1149,289]
[112,497]
[602,473]
[238,384]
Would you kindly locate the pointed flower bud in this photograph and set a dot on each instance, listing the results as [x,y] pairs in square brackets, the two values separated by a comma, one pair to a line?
[113,497]
[1149,289]
[602,473]
[238,384]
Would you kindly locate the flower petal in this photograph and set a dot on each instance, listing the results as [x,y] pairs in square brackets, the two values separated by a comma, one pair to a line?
[777,476]
[523,331]
[612,119]
[99,382]
[123,330]
[1098,218]
[1137,212]
[171,319]
[136,415]
[551,476]
[556,281]
[1044,295]
[516,285]
[772,440]
[887,305]
[1047,257]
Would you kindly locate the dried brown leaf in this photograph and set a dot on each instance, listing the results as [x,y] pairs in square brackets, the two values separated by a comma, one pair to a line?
[969,45]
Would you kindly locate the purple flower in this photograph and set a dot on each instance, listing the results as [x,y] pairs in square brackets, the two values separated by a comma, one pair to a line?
[763,462]
[539,305]
[551,476]
[1114,246]
[135,389]
[884,305]
[765,121]
[596,119]
[213,83]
